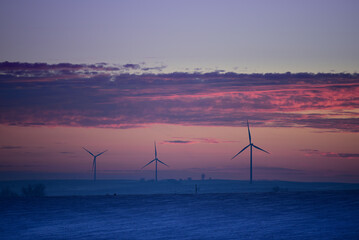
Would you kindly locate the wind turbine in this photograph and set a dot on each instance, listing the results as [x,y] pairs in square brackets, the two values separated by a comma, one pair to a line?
[94,162]
[155,160]
[251,145]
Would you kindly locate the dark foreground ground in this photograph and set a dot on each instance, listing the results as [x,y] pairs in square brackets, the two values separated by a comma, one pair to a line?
[265,215]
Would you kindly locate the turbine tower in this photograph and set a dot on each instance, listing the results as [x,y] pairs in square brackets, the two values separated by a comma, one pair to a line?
[251,145]
[94,162]
[155,160]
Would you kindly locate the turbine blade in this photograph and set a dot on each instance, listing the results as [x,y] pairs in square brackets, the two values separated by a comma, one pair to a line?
[88,151]
[260,149]
[162,162]
[240,151]
[249,133]
[101,153]
[148,163]
[93,166]
[155,150]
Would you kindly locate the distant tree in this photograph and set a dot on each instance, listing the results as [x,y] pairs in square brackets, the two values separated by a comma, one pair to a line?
[171,180]
[37,190]
[6,192]
[275,189]
[203,176]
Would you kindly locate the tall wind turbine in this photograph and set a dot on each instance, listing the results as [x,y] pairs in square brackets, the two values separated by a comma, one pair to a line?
[94,162]
[155,160]
[251,145]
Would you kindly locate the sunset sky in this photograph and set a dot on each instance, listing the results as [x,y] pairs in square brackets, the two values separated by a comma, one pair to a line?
[119,75]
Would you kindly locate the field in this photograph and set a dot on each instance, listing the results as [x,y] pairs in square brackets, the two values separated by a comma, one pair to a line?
[276,214]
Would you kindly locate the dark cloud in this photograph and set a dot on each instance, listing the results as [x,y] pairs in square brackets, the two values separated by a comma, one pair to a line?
[178,141]
[208,140]
[195,140]
[8,147]
[6,165]
[156,68]
[11,66]
[311,152]
[280,170]
[342,155]
[132,66]
[45,69]
[67,152]
[308,150]
[95,96]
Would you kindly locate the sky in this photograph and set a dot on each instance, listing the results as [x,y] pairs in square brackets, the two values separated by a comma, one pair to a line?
[119,75]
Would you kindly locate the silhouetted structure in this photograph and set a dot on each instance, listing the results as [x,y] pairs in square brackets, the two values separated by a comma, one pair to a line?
[94,162]
[156,160]
[251,145]
[203,176]
[7,193]
[37,190]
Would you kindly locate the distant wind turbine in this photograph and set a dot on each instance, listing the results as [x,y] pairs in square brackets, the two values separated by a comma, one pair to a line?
[156,160]
[94,162]
[250,145]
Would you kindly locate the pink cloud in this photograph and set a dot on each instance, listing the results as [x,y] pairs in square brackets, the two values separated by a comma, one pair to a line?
[46,95]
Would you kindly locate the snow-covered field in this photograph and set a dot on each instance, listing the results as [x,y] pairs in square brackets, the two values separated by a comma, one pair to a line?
[253,215]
